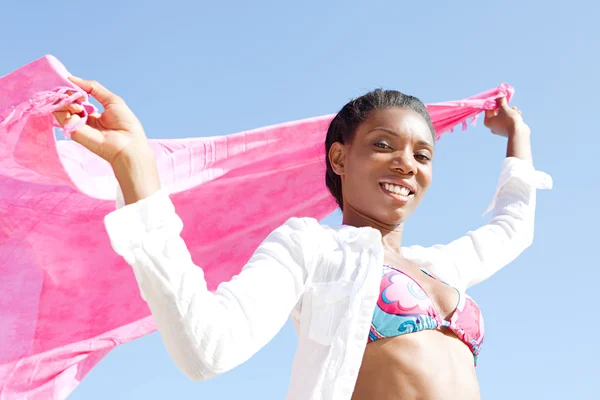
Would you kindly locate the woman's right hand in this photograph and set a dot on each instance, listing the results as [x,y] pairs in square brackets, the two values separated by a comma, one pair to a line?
[114,133]
[117,136]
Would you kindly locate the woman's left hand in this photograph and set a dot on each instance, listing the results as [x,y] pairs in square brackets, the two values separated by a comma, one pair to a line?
[504,120]
[507,121]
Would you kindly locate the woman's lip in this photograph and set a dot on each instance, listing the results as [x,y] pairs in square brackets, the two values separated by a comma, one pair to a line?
[399,182]
[400,199]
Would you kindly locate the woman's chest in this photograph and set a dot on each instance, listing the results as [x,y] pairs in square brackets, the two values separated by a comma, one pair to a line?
[405,283]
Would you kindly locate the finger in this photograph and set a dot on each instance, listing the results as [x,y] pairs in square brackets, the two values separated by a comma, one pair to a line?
[77,100]
[491,113]
[64,114]
[69,93]
[89,137]
[502,103]
[99,92]
[94,121]
[62,117]
[74,108]
[517,110]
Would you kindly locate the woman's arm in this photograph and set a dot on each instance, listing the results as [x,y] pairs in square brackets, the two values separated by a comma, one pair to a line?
[519,144]
[481,253]
[206,333]
[508,122]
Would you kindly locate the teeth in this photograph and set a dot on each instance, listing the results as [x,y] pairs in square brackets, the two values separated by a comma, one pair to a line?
[401,190]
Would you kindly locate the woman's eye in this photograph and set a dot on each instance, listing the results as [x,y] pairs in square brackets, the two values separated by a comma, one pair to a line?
[423,157]
[382,145]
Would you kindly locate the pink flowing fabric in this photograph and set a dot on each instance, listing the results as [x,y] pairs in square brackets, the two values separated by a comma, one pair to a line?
[67,299]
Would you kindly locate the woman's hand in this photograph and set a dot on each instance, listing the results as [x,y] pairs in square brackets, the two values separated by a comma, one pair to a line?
[504,120]
[114,133]
[507,121]
[117,136]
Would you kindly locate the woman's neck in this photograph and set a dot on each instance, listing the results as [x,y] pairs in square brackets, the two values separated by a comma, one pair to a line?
[391,235]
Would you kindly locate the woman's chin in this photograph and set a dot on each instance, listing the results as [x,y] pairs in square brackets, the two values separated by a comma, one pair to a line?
[393,217]
[380,214]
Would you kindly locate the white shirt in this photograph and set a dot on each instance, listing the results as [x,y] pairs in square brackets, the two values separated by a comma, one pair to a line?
[326,279]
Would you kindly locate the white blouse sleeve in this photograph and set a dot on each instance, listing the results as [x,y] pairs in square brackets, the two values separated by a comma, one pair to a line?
[481,253]
[208,333]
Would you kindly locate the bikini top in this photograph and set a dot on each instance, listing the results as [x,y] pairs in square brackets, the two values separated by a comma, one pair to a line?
[404,307]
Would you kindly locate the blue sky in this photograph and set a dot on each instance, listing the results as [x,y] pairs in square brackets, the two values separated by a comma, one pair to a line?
[214,68]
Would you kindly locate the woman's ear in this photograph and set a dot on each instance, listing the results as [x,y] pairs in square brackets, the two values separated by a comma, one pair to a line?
[337,156]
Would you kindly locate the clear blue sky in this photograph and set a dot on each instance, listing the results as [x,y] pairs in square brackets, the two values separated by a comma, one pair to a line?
[197,68]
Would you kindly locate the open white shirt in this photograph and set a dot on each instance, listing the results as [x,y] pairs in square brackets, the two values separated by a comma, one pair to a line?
[325,279]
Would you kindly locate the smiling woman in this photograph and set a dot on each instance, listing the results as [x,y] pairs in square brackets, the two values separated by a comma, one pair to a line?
[374,319]
[384,169]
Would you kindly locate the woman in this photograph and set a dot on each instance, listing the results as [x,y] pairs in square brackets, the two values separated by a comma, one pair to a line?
[375,320]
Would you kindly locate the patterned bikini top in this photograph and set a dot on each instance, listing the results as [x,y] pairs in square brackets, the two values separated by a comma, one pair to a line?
[404,307]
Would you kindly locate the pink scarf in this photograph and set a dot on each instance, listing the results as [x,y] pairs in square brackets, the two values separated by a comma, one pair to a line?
[67,299]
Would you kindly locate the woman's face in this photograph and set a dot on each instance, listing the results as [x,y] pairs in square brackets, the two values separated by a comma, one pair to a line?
[387,168]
